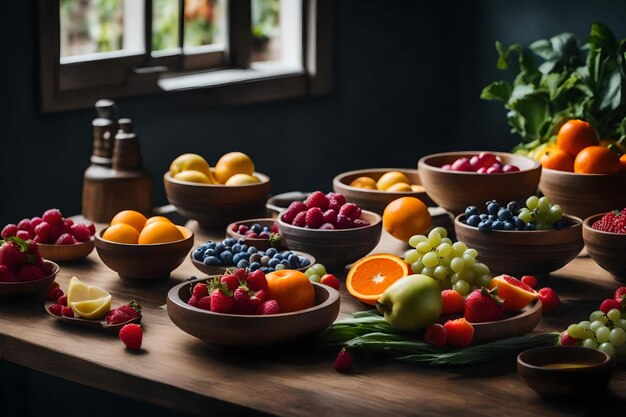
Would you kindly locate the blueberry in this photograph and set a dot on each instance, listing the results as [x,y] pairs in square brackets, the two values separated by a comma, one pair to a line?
[497,225]
[509,225]
[483,216]
[212,260]
[513,207]
[237,257]
[230,241]
[226,257]
[484,226]
[504,214]
[236,248]
[293,259]
[278,256]
[211,245]
[493,217]
[471,210]
[256,228]
[266,229]
[198,254]
[560,224]
[254,266]
[287,264]
[241,241]
[243,264]
[273,262]
[244,248]
[265,269]
[530,226]
[473,220]
[204,246]
[519,223]
[271,252]
[252,250]
[210,252]
[220,247]
[304,262]
[493,208]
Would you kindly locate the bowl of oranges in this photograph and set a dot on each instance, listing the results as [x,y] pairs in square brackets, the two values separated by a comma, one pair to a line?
[581,173]
[140,248]
[216,196]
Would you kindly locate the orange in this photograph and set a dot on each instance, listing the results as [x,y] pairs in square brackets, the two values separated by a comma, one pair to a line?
[130,217]
[186,233]
[159,232]
[292,289]
[364,182]
[372,275]
[596,160]
[231,164]
[575,135]
[556,158]
[405,217]
[157,219]
[121,233]
[622,162]
[515,293]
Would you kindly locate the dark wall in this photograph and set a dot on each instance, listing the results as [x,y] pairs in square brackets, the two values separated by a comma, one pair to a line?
[408,78]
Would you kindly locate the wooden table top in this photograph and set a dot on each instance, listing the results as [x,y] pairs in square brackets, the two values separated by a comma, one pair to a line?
[175,370]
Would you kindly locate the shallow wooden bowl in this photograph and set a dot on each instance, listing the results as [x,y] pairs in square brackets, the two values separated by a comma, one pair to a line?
[583,195]
[578,384]
[240,330]
[14,289]
[220,270]
[334,248]
[142,263]
[65,253]
[376,200]
[454,191]
[260,244]
[607,249]
[522,252]
[215,206]
[517,323]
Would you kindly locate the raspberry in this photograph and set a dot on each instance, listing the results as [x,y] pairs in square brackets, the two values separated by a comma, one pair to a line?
[242,229]
[314,218]
[52,216]
[331,281]
[47,268]
[55,309]
[65,239]
[436,335]
[122,314]
[32,248]
[453,302]
[343,362]
[317,199]
[67,312]
[300,219]
[23,234]
[360,223]
[459,332]
[92,229]
[243,305]
[257,281]
[275,228]
[11,254]
[530,280]
[297,206]
[231,281]
[55,293]
[549,300]
[24,224]
[292,211]
[609,304]
[566,340]
[9,230]
[193,301]
[34,222]
[350,210]
[80,232]
[620,293]
[220,302]
[42,230]
[7,274]
[67,225]
[131,335]
[327,226]
[335,201]
[205,302]
[268,307]
[56,230]
[330,216]
[343,222]
[30,273]
[62,300]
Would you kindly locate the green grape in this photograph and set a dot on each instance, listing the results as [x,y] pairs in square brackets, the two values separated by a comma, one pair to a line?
[445,283]
[617,337]
[542,225]
[454,278]
[596,315]
[430,259]
[411,256]
[555,213]
[590,343]
[604,319]
[576,331]
[459,248]
[280,267]
[607,348]
[525,215]
[309,272]
[315,278]
[480,269]
[466,275]
[595,325]
[468,260]
[585,324]
[543,205]
[445,261]
[424,247]
[441,272]
[531,202]
[417,267]
[462,287]
[434,238]
[483,280]
[319,269]
[621,323]
[457,264]
[429,271]
[602,334]
[471,252]
[446,240]
[444,250]
[614,315]
[441,230]
[414,240]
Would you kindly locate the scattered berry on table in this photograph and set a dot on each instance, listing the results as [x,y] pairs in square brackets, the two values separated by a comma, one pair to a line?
[67,312]
[459,332]
[436,335]
[131,335]
[56,309]
[343,362]
[62,300]
[549,300]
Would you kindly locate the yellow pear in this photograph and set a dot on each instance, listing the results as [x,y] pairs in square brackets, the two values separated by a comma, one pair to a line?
[242,179]
[191,162]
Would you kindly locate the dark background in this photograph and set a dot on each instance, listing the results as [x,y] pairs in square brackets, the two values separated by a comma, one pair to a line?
[408,76]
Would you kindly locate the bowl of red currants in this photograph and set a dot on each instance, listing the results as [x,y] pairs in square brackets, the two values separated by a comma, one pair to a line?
[260,233]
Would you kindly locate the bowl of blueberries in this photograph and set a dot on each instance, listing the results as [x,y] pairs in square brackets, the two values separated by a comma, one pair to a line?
[260,233]
[215,258]
[533,237]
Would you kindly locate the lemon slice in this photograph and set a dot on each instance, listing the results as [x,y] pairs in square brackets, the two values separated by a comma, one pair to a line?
[92,309]
[79,291]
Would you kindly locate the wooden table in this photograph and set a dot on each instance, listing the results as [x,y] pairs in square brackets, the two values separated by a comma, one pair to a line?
[175,370]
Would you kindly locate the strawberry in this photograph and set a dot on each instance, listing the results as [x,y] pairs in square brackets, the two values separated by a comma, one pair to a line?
[243,304]
[131,335]
[56,309]
[7,274]
[54,293]
[220,302]
[453,302]
[62,300]
[242,274]
[549,300]
[30,273]
[436,335]
[529,280]
[67,312]
[13,252]
[193,301]
[620,293]
[10,230]
[459,332]
[123,313]
[314,217]
[268,307]
[343,362]
[200,290]
[300,219]
[317,199]
[610,304]
[484,305]
[257,281]
[230,280]
[331,281]
[205,302]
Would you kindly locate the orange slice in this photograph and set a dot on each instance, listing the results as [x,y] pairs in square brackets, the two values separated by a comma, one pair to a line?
[515,293]
[372,275]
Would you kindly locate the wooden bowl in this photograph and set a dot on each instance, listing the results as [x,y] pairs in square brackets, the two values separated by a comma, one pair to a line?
[220,270]
[518,323]
[454,190]
[214,206]
[523,252]
[240,330]
[583,195]
[66,253]
[334,248]
[574,383]
[607,249]
[260,244]
[376,200]
[143,263]
[14,289]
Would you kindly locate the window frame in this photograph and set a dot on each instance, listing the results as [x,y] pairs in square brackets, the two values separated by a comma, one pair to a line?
[79,84]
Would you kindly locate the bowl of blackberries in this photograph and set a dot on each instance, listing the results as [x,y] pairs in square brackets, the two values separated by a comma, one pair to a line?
[530,237]
[214,258]
[260,233]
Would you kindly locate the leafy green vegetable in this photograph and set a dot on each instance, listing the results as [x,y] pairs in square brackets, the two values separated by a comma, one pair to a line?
[585,81]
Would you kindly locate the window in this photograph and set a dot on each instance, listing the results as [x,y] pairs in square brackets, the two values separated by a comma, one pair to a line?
[224,50]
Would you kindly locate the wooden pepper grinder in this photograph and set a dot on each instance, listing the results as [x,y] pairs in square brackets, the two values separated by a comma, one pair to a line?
[116,179]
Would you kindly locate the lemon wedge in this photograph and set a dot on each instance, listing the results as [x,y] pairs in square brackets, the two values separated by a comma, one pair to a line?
[87,301]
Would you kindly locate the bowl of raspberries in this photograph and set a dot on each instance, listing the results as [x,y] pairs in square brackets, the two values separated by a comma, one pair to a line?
[605,238]
[333,230]
[22,269]
[58,238]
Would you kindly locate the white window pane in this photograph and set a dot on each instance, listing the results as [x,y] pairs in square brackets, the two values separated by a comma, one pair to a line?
[277,31]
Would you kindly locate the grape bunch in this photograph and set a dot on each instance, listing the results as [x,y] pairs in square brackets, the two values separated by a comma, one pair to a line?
[453,265]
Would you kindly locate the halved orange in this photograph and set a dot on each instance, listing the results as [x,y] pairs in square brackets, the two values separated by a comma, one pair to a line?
[515,293]
[372,275]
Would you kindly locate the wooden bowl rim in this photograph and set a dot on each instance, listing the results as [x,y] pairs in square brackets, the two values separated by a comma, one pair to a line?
[528,310]
[199,264]
[264,180]
[423,162]
[172,295]
[557,172]
[338,180]
[270,204]
[136,245]
[606,359]
[589,220]
[378,218]
[578,223]
[251,239]
[55,270]
[91,241]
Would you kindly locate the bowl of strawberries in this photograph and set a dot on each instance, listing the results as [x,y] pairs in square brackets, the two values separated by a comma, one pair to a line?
[22,269]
